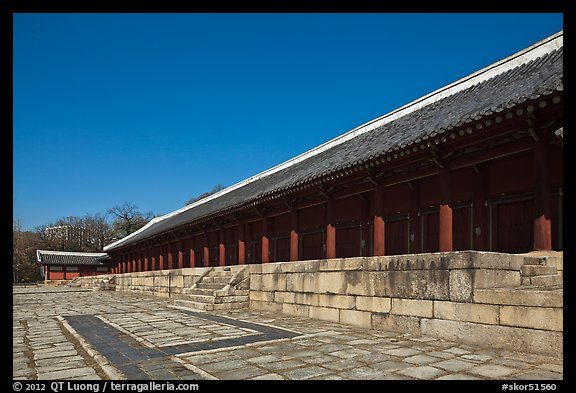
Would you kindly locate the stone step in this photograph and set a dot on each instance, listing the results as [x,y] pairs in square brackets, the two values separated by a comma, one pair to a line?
[546,280]
[200,291]
[220,273]
[538,270]
[194,305]
[210,285]
[200,298]
[534,260]
[217,280]
[231,306]
[533,296]
[232,299]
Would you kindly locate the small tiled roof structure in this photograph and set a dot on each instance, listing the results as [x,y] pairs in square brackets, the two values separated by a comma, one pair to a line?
[70,258]
[534,72]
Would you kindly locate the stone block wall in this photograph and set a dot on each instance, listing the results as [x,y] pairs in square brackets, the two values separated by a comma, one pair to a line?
[465,296]
[448,295]
[164,283]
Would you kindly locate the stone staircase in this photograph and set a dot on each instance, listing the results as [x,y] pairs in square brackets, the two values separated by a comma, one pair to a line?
[75,283]
[537,271]
[107,284]
[541,285]
[218,288]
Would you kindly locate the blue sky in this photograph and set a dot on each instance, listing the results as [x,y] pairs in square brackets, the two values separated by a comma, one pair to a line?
[153,109]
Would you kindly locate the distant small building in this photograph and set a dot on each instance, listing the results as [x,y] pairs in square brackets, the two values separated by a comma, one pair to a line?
[60,267]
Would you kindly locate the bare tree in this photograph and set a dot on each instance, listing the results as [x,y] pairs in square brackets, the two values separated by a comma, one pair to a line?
[217,187]
[25,243]
[96,232]
[62,235]
[83,234]
[17,249]
[128,219]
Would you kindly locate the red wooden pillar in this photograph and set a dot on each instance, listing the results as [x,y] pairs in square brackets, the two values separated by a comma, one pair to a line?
[192,252]
[542,223]
[294,235]
[206,250]
[445,216]
[153,267]
[330,230]
[366,251]
[161,258]
[265,240]
[414,219]
[139,267]
[480,223]
[147,260]
[181,254]
[221,248]
[170,250]
[241,247]
[379,230]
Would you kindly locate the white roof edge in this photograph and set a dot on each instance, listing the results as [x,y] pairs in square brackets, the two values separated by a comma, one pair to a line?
[532,52]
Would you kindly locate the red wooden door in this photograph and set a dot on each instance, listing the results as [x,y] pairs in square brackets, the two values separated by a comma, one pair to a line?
[281,251]
[254,251]
[513,226]
[396,236]
[312,245]
[430,232]
[462,228]
[348,242]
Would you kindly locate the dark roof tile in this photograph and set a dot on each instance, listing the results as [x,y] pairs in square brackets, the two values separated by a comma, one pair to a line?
[70,258]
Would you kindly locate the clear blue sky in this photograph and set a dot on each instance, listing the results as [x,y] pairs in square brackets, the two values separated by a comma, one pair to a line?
[153,109]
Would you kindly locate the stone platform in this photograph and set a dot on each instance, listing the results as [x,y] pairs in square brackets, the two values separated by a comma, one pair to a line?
[74,333]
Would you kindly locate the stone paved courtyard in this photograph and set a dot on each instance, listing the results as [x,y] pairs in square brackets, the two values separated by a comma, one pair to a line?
[70,333]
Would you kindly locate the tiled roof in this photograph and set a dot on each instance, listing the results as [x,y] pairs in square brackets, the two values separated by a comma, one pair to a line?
[70,258]
[529,74]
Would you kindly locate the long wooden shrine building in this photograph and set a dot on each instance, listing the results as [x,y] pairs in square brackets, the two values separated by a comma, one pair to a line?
[474,165]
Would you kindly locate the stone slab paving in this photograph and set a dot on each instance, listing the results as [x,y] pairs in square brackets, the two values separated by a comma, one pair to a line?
[67,333]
